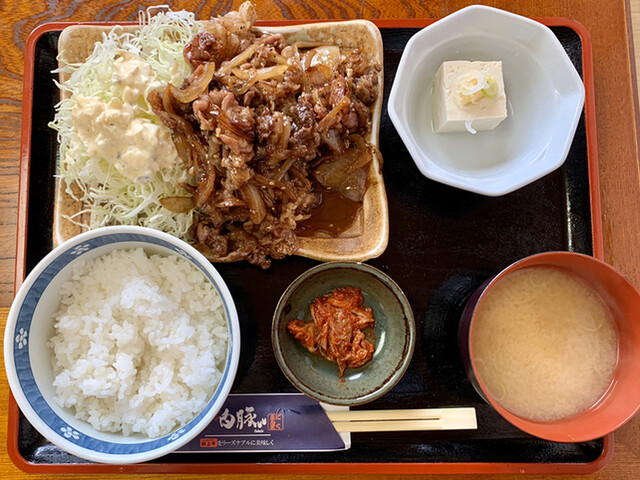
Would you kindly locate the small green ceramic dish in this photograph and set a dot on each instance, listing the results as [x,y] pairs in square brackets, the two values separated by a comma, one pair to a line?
[393,335]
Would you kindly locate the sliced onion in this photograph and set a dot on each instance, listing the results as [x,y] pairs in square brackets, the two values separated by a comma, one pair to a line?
[328,55]
[332,138]
[355,185]
[310,44]
[178,204]
[277,58]
[280,144]
[182,146]
[244,73]
[326,121]
[199,82]
[319,75]
[206,184]
[231,201]
[166,102]
[191,189]
[332,171]
[239,59]
[225,122]
[300,178]
[284,140]
[361,146]
[364,152]
[257,208]
[335,170]
[187,142]
[284,168]
[276,184]
[306,59]
[262,74]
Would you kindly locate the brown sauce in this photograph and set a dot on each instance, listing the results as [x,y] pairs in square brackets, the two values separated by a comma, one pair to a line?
[334,215]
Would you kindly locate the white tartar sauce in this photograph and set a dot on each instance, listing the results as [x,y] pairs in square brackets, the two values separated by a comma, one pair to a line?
[118,131]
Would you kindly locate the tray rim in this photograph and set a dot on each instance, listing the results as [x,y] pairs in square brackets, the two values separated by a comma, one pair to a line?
[316,467]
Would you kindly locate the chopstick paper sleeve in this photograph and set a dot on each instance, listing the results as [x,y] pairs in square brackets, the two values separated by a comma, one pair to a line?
[269,422]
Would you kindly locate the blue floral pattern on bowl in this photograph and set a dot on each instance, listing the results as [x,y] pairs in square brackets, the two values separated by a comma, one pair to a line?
[69,432]
[21,339]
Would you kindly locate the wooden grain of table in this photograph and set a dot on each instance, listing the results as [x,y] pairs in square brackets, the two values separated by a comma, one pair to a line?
[610,28]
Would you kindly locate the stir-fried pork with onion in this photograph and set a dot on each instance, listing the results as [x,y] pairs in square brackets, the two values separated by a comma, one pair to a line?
[264,127]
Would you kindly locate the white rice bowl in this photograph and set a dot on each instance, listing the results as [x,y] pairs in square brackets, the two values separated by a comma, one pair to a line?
[123,377]
[140,342]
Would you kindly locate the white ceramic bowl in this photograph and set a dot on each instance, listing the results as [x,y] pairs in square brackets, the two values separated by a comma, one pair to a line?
[545,98]
[28,360]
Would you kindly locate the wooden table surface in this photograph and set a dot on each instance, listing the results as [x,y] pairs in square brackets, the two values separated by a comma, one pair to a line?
[607,22]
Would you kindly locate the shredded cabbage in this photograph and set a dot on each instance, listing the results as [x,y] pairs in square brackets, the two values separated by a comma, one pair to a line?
[110,197]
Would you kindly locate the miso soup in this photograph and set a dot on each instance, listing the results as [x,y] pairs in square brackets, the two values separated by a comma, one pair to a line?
[544,344]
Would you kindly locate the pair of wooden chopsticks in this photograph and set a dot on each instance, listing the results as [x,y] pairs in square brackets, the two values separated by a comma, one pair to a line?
[463,418]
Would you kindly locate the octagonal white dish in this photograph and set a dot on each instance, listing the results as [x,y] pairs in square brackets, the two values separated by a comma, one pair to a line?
[545,98]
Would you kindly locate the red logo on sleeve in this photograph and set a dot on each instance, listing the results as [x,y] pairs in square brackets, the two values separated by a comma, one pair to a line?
[208,443]
[276,422]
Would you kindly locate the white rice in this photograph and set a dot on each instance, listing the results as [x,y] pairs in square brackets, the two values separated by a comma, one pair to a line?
[140,342]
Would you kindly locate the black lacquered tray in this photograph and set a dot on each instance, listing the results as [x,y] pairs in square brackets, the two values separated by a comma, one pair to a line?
[443,243]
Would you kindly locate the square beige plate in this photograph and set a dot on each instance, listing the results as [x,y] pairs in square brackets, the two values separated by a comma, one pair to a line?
[368,237]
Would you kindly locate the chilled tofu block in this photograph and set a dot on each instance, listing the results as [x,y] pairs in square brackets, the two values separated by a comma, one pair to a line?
[468,96]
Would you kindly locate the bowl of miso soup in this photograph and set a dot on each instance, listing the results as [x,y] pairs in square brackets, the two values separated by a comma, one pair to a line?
[552,342]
